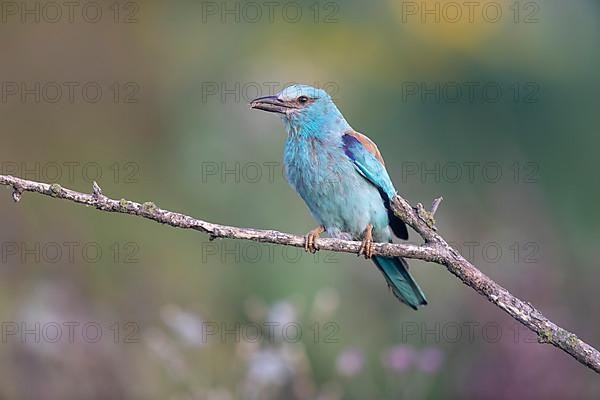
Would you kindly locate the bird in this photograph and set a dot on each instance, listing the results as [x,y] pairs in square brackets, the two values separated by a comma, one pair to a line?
[341,176]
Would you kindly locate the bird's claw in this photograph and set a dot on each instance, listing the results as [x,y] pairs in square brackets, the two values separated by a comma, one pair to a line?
[366,247]
[310,239]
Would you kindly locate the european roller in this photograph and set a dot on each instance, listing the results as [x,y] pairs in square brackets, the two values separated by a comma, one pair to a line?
[341,176]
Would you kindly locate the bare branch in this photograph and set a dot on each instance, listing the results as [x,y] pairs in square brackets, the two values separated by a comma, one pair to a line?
[435,249]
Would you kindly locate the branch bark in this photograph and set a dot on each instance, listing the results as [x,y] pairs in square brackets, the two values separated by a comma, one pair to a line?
[435,249]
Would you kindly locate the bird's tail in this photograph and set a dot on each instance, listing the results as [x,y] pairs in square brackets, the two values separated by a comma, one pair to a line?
[402,284]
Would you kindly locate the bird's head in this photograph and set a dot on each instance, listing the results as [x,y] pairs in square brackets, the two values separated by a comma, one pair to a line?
[302,108]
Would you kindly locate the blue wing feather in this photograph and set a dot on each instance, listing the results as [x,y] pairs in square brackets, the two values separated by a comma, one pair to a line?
[369,164]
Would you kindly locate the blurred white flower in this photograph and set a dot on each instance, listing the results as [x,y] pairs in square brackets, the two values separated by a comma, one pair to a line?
[327,300]
[268,367]
[282,312]
[167,352]
[186,325]
[282,316]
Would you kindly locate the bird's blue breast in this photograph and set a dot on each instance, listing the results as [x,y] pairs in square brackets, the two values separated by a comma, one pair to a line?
[339,198]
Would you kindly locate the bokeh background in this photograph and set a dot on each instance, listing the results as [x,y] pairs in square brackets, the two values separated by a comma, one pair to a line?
[496,112]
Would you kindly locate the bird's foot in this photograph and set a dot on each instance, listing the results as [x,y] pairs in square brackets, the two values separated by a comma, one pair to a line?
[366,247]
[310,239]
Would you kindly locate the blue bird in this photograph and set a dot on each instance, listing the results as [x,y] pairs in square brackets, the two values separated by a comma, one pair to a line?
[341,176]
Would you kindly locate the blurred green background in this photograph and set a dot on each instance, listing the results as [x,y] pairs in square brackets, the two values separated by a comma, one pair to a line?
[496,112]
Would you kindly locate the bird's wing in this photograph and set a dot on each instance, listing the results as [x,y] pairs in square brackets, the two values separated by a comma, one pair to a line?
[368,144]
[368,161]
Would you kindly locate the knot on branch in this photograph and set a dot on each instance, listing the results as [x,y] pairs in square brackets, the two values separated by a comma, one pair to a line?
[55,189]
[149,207]
[545,336]
[17,193]
[428,216]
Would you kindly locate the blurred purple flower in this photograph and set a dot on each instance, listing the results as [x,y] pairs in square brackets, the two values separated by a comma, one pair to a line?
[350,362]
[430,360]
[399,358]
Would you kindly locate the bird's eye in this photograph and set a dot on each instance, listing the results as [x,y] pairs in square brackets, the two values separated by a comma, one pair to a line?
[302,99]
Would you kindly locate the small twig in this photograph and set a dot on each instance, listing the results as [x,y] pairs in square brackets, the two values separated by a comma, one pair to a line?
[435,249]
[436,203]
[96,190]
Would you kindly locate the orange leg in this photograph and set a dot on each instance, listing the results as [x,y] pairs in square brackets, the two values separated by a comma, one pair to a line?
[311,237]
[366,246]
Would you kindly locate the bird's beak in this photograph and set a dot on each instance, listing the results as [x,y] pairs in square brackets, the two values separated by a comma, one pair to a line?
[270,104]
